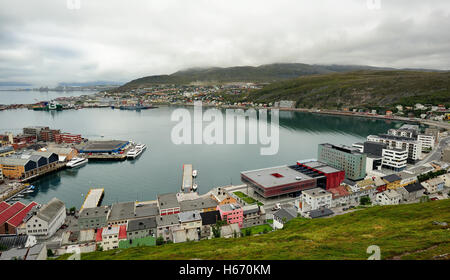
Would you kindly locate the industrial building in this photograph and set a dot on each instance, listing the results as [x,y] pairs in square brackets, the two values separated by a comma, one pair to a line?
[111,146]
[345,158]
[334,177]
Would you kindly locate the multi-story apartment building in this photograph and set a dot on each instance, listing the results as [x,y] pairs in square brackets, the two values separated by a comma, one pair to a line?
[394,159]
[93,218]
[413,146]
[389,197]
[345,158]
[427,141]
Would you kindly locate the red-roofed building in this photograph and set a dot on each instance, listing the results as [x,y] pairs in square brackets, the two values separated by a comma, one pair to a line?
[15,221]
[339,191]
[8,213]
[3,206]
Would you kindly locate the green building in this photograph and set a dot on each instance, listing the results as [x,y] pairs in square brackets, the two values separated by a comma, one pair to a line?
[345,158]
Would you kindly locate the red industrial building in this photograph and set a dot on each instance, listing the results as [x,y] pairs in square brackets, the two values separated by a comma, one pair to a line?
[334,176]
[12,216]
[48,135]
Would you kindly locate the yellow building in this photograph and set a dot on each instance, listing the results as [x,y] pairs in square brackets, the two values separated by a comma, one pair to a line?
[392,181]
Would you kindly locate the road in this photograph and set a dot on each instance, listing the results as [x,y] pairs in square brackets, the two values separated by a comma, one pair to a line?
[435,154]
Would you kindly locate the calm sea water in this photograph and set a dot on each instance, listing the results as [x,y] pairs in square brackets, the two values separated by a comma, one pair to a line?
[8,97]
[159,169]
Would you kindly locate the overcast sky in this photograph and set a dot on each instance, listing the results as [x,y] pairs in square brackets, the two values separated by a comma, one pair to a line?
[44,42]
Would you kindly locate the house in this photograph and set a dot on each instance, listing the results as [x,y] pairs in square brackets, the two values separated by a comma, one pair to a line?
[168,204]
[46,220]
[314,199]
[380,184]
[392,181]
[415,191]
[446,179]
[191,223]
[209,219]
[282,216]
[93,218]
[84,240]
[230,230]
[231,213]
[388,197]
[434,185]
[109,237]
[166,224]
[141,228]
[253,215]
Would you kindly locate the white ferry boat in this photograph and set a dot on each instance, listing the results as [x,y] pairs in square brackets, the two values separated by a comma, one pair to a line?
[194,173]
[140,147]
[75,162]
[134,153]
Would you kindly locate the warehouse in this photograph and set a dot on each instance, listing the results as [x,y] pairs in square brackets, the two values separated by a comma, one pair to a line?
[112,146]
[17,168]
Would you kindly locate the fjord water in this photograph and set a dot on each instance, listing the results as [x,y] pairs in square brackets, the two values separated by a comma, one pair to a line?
[159,169]
[10,96]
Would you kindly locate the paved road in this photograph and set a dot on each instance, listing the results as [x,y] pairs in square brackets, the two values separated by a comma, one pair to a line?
[435,154]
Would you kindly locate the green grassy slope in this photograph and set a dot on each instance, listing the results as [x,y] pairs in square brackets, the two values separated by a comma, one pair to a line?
[365,87]
[400,231]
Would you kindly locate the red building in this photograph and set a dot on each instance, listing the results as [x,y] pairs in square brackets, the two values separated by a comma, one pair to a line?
[334,176]
[48,135]
[68,138]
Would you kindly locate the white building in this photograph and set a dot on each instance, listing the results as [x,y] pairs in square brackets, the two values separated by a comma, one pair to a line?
[314,199]
[434,185]
[411,133]
[389,197]
[427,141]
[47,220]
[394,159]
[413,146]
[111,236]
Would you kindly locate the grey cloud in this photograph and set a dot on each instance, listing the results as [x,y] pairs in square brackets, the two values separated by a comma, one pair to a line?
[44,42]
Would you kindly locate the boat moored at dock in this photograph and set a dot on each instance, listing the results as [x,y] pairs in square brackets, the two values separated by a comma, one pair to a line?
[134,153]
[76,162]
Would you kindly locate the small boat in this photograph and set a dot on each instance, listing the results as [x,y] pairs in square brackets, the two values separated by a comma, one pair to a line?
[75,162]
[140,146]
[134,153]
[194,187]
[19,195]
[28,191]
[194,173]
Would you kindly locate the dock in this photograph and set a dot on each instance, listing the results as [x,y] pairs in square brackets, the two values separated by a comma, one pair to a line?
[187,178]
[93,198]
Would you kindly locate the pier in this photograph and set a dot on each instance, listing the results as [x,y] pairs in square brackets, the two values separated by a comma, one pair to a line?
[93,198]
[187,178]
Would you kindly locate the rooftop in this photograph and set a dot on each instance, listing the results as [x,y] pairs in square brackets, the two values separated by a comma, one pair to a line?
[287,213]
[198,204]
[103,146]
[122,211]
[275,176]
[167,220]
[168,200]
[95,212]
[316,192]
[391,178]
[189,216]
[49,211]
[322,212]
[142,224]
[414,187]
